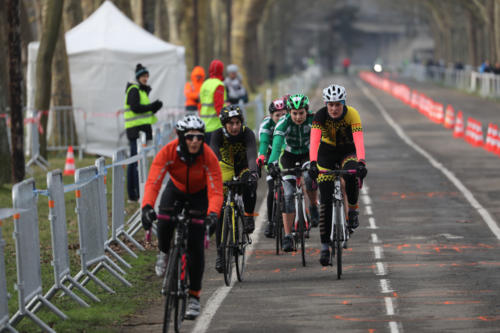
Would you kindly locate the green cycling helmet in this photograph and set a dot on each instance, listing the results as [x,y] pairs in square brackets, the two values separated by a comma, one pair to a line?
[298,101]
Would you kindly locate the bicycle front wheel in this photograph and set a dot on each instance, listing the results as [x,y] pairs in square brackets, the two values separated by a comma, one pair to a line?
[171,290]
[301,229]
[339,235]
[278,222]
[227,245]
[182,290]
[241,244]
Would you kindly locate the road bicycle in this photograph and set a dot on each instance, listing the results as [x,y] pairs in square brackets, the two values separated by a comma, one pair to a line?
[301,224]
[176,280]
[234,238]
[339,232]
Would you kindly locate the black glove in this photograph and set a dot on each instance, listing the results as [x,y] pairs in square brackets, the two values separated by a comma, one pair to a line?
[211,220]
[148,216]
[273,170]
[156,105]
[313,170]
[362,171]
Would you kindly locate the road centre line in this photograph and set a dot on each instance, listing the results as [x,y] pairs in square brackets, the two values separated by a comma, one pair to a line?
[368,210]
[487,218]
[371,221]
[375,239]
[215,301]
[366,199]
[385,286]
[389,307]
[381,268]
[393,326]
[378,252]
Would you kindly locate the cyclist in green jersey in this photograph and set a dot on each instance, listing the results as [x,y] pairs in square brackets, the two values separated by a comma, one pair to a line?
[277,109]
[293,133]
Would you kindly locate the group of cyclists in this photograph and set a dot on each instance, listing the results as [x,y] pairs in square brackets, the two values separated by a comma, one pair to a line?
[329,139]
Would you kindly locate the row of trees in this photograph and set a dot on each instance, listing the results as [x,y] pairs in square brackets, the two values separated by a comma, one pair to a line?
[265,38]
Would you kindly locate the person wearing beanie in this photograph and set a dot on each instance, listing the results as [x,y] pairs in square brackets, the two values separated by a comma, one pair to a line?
[192,89]
[212,98]
[139,116]
[234,86]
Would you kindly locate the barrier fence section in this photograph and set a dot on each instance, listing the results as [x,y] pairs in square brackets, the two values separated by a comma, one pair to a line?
[29,277]
[486,84]
[4,295]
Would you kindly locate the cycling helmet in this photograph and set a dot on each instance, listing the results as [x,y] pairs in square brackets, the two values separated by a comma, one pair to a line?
[229,112]
[277,105]
[334,93]
[298,101]
[232,68]
[190,122]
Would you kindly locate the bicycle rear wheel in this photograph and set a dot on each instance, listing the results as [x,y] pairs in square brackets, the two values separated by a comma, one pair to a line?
[171,291]
[278,222]
[182,294]
[241,244]
[339,237]
[227,245]
[301,229]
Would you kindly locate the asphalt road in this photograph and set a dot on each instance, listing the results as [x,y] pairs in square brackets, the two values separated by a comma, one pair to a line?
[422,260]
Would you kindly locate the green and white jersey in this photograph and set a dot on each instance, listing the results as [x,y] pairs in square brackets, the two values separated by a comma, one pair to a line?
[295,138]
[266,130]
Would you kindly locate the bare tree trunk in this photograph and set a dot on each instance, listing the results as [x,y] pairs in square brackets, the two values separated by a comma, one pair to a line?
[497,29]
[175,10]
[196,31]
[15,90]
[135,10]
[63,122]
[50,32]
[161,20]
[229,17]
[73,14]
[472,39]
[246,17]
[5,166]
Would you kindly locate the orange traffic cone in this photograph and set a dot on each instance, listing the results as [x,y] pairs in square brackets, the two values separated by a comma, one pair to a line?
[490,143]
[449,118]
[458,130]
[69,166]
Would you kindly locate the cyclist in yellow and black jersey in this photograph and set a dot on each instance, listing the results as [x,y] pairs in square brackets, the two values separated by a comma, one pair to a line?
[336,142]
[234,145]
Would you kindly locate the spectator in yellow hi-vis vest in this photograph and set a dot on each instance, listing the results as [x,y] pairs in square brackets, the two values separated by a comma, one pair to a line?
[139,116]
[212,98]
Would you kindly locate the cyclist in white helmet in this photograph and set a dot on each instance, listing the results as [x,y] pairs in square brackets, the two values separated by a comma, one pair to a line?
[336,142]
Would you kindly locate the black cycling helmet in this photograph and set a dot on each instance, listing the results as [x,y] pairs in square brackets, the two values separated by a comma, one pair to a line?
[229,112]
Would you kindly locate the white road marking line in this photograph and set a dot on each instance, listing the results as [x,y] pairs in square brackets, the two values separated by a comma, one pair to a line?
[450,236]
[385,286]
[368,210]
[371,220]
[366,199]
[364,190]
[378,252]
[393,326]
[381,270]
[490,222]
[375,239]
[389,307]
[214,302]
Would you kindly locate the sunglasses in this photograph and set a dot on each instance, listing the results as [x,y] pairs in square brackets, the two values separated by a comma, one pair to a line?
[190,137]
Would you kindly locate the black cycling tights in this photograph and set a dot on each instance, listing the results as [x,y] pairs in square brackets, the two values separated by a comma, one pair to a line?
[249,201]
[196,250]
[326,192]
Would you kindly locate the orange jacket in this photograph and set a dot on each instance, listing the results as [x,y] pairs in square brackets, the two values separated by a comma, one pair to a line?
[192,88]
[205,172]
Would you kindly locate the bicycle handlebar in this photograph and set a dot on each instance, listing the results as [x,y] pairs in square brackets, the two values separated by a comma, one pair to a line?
[339,172]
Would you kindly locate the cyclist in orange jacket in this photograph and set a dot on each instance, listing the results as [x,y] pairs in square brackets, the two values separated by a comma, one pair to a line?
[196,178]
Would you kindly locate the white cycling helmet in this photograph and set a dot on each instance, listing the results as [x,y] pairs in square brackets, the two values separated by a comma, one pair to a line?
[190,122]
[334,93]
[232,68]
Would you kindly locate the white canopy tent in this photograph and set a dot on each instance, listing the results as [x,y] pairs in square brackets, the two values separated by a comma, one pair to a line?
[103,51]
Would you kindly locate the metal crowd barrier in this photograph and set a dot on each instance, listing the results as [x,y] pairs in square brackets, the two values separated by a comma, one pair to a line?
[29,277]
[92,239]
[4,295]
[486,84]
